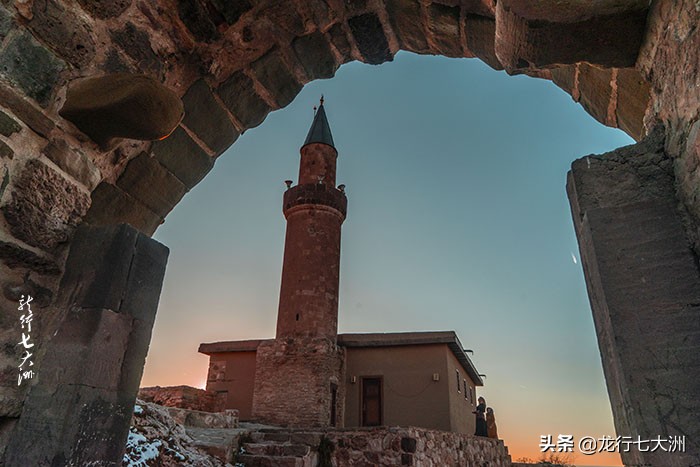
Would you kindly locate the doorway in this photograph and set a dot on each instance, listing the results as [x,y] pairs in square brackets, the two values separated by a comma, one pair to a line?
[372,401]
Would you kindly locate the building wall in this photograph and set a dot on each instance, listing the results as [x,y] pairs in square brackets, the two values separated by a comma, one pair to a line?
[414,446]
[233,372]
[410,396]
[462,403]
[293,382]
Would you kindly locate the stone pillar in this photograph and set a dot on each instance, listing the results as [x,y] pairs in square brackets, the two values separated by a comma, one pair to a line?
[79,407]
[644,289]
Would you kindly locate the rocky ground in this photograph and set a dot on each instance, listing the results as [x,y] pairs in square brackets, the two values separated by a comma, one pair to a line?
[164,436]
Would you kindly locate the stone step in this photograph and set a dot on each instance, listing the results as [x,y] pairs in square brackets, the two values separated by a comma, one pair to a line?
[251,460]
[276,449]
[276,436]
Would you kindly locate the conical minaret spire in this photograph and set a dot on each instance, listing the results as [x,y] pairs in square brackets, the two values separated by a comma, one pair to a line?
[320,131]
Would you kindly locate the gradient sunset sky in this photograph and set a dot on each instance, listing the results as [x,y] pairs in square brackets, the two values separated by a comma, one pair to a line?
[457,220]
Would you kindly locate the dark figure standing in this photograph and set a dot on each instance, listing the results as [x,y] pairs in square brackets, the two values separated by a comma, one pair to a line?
[481,428]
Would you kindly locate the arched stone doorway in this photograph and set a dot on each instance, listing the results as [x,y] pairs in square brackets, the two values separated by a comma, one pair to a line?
[631,65]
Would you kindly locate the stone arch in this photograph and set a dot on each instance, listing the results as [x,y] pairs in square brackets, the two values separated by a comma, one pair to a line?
[630,64]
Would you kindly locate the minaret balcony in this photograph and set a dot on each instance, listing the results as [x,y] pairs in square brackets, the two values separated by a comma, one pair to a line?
[317,193]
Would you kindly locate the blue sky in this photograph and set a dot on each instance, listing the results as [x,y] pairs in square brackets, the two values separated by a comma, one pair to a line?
[457,219]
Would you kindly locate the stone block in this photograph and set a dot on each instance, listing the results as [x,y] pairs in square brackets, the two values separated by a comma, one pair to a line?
[407,22]
[205,117]
[232,10]
[339,38]
[239,96]
[565,77]
[285,16]
[144,285]
[5,153]
[64,31]
[111,205]
[6,22]
[196,18]
[150,182]
[7,125]
[31,67]
[104,9]
[535,34]
[99,275]
[136,44]
[595,91]
[136,351]
[83,334]
[122,105]
[315,55]
[115,63]
[24,110]
[271,71]
[44,206]
[182,156]
[481,37]
[74,162]
[110,279]
[5,180]
[633,96]
[369,36]
[444,26]
[16,256]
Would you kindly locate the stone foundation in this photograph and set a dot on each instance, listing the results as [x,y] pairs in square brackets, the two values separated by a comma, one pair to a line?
[293,379]
[416,446]
[382,446]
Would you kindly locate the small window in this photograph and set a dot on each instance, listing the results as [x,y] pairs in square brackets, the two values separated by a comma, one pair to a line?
[471,393]
[458,378]
[465,388]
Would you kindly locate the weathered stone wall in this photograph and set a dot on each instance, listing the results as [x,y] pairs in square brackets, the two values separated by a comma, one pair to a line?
[184,397]
[394,446]
[644,286]
[79,404]
[293,380]
[416,446]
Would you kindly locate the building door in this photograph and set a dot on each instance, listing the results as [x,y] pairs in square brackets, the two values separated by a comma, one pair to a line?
[371,401]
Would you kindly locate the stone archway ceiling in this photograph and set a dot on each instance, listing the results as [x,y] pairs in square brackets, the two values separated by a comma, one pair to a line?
[232,63]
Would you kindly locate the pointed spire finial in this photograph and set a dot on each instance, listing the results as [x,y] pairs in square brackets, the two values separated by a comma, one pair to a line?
[320,131]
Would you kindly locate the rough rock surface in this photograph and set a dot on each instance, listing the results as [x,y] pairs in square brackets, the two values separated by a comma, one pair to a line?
[155,438]
[184,397]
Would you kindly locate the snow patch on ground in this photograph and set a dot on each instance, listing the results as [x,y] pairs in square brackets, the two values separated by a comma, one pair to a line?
[139,450]
[156,439]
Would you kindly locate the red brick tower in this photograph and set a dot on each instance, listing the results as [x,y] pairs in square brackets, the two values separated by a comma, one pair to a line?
[315,210]
[297,376]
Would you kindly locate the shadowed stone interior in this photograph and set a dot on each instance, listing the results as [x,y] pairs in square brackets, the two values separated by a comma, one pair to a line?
[631,64]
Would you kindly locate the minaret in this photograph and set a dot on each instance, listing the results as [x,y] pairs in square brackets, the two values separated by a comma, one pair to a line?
[299,375]
[315,210]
